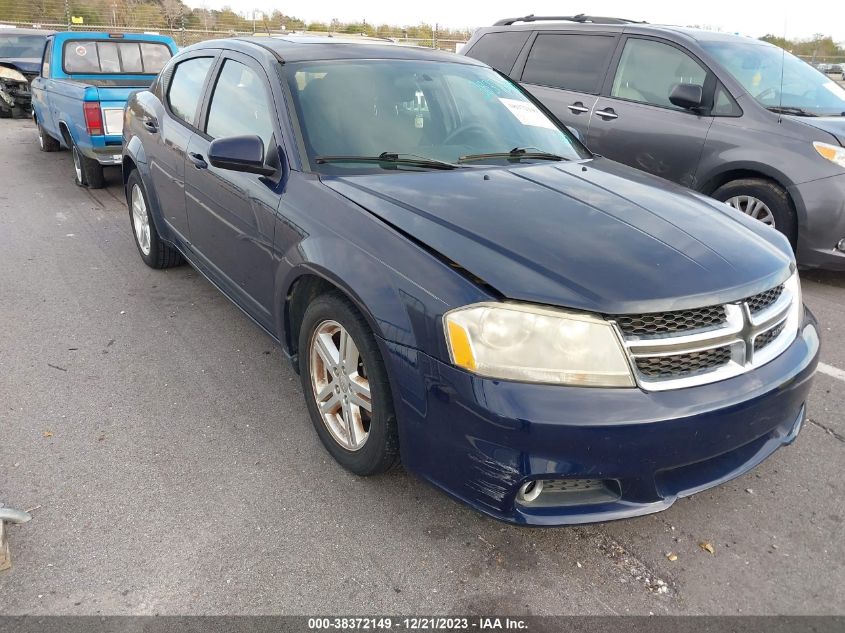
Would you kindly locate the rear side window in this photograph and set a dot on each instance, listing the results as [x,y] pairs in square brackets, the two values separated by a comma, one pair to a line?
[499,50]
[239,105]
[115,57]
[185,90]
[649,71]
[572,62]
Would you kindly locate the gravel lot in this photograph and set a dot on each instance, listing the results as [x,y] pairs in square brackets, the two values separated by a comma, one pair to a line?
[163,443]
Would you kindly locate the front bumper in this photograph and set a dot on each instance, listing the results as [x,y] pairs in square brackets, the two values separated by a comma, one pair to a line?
[821,222]
[480,440]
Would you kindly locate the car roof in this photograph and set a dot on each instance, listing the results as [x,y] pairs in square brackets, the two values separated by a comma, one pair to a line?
[293,48]
[616,25]
[114,35]
[43,32]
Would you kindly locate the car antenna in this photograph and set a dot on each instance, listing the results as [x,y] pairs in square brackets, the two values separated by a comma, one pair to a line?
[782,64]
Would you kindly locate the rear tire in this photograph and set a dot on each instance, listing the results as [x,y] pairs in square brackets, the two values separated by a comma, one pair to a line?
[375,447]
[46,143]
[87,171]
[745,194]
[155,252]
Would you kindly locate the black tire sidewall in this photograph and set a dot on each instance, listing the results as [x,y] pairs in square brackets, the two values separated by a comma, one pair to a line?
[380,452]
[772,195]
[153,258]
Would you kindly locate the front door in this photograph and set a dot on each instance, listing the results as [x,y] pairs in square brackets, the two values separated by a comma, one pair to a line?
[232,214]
[638,125]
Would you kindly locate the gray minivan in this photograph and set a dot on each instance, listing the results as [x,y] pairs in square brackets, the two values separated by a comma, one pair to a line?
[734,118]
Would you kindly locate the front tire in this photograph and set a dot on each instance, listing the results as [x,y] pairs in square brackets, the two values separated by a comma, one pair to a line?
[154,252]
[87,171]
[46,143]
[763,200]
[346,387]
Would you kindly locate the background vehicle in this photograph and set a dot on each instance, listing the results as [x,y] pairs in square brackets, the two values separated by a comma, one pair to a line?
[20,59]
[83,84]
[710,111]
[549,336]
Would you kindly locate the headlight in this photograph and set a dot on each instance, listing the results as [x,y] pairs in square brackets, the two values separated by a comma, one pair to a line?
[833,153]
[536,344]
[11,74]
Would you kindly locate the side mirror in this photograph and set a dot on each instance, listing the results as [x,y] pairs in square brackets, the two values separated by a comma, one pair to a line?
[240,153]
[687,96]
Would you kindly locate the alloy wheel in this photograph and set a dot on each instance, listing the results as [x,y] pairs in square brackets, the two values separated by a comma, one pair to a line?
[340,385]
[140,220]
[753,207]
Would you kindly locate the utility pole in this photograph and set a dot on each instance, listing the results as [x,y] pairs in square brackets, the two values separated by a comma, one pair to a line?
[434,38]
[67,14]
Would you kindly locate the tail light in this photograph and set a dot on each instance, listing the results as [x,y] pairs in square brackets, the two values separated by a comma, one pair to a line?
[93,117]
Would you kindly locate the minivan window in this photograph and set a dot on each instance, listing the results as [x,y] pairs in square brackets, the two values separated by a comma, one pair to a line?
[572,62]
[499,50]
[185,91]
[114,57]
[778,80]
[443,111]
[648,71]
[239,105]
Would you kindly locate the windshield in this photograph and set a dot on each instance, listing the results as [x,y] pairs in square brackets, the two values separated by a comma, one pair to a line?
[419,110]
[22,46]
[757,66]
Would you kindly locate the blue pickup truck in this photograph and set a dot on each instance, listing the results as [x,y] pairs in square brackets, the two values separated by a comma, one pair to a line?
[79,95]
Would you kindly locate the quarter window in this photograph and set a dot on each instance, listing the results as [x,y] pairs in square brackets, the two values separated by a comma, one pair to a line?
[648,72]
[239,105]
[571,62]
[185,89]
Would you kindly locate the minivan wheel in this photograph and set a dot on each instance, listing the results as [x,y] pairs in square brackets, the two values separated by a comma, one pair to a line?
[154,252]
[346,387]
[762,200]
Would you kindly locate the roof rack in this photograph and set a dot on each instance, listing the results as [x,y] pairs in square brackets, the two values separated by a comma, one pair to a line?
[580,18]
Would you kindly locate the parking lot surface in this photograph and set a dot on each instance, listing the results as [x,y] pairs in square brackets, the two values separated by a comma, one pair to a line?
[163,446]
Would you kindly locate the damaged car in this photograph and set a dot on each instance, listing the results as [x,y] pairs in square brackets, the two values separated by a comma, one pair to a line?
[20,61]
[544,334]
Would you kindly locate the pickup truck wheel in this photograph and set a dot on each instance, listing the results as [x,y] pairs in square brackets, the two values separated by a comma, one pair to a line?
[47,143]
[763,200]
[154,252]
[346,387]
[88,172]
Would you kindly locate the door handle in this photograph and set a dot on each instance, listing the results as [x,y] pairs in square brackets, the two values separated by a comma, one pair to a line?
[607,114]
[197,160]
[150,124]
[577,108]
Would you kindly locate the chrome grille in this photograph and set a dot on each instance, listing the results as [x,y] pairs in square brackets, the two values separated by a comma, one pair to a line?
[661,323]
[682,348]
[760,302]
[680,365]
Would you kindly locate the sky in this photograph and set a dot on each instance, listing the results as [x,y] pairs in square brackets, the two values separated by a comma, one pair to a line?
[746,17]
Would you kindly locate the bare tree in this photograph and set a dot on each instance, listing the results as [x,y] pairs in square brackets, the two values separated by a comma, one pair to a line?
[172,12]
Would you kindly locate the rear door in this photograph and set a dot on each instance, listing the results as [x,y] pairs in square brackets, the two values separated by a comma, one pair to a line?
[169,132]
[636,123]
[233,214]
[566,70]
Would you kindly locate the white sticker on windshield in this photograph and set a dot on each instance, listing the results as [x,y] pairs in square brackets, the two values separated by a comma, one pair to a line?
[527,113]
[835,89]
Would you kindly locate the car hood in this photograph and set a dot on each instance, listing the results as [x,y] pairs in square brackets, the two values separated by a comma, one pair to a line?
[26,65]
[592,235]
[834,125]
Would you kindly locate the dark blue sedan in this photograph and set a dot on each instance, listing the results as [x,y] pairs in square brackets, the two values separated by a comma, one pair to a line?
[544,334]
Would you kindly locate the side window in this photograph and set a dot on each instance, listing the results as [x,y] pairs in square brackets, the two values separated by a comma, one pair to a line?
[499,50]
[648,72]
[48,56]
[572,62]
[185,90]
[239,104]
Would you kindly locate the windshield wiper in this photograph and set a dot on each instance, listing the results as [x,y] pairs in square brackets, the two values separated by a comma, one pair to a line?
[515,155]
[790,110]
[390,158]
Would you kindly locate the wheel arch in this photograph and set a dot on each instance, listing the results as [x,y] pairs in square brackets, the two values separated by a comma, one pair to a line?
[731,172]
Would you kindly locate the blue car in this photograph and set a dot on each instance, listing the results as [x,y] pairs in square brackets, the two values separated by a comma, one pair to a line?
[81,89]
[546,335]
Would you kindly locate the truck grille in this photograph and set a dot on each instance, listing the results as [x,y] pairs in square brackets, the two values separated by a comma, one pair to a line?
[682,348]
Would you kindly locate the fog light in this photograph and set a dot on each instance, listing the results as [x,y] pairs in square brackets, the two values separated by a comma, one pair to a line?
[840,246]
[530,491]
